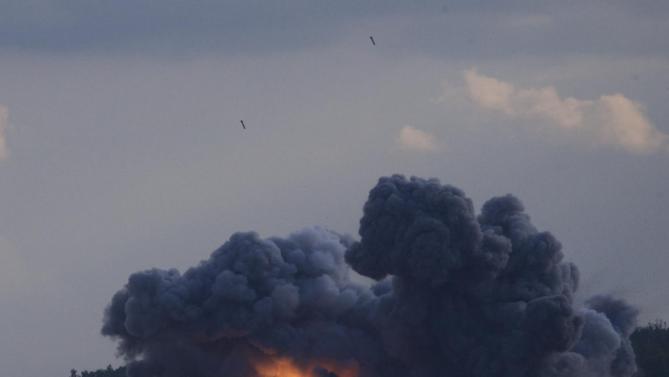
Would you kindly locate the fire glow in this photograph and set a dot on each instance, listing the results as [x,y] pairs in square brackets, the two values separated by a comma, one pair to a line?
[285,367]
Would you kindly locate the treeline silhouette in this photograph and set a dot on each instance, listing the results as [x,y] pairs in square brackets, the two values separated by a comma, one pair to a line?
[651,345]
[107,372]
[650,342]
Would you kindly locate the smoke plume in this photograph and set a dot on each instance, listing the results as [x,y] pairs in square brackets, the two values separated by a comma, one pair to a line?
[456,295]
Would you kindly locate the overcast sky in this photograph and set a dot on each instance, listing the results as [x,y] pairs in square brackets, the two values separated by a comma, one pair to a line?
[121,147]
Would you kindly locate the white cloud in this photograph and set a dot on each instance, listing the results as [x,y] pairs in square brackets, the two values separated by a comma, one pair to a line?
[411,138]
[4,117]
[626,123]
[611,119]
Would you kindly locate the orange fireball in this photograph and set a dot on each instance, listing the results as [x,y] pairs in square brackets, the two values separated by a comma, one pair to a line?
[285,367]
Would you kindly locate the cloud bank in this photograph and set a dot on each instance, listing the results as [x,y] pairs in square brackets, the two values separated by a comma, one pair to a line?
[611,119]
[411,138]
[233,26]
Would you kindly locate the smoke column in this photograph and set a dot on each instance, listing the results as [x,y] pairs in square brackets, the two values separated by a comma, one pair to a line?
[456,295]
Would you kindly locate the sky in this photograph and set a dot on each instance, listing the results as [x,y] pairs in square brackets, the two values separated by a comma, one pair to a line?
[121,147]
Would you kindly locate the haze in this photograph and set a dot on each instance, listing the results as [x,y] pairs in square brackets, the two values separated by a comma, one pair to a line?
[121,146]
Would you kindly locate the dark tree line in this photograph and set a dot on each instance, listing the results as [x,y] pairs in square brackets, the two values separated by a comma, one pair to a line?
[107,372]
[651,345]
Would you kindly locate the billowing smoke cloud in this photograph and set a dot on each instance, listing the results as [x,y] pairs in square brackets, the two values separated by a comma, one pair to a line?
[411,138]
[456,295]
[612,119]
[4,119]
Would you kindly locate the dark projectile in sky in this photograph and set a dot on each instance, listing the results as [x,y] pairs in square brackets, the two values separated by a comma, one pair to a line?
[243,126]
[371,38]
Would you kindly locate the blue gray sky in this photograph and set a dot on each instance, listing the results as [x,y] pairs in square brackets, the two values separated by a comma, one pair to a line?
[121,148]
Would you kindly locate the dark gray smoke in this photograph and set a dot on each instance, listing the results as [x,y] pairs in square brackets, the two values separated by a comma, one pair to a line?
[457,295]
